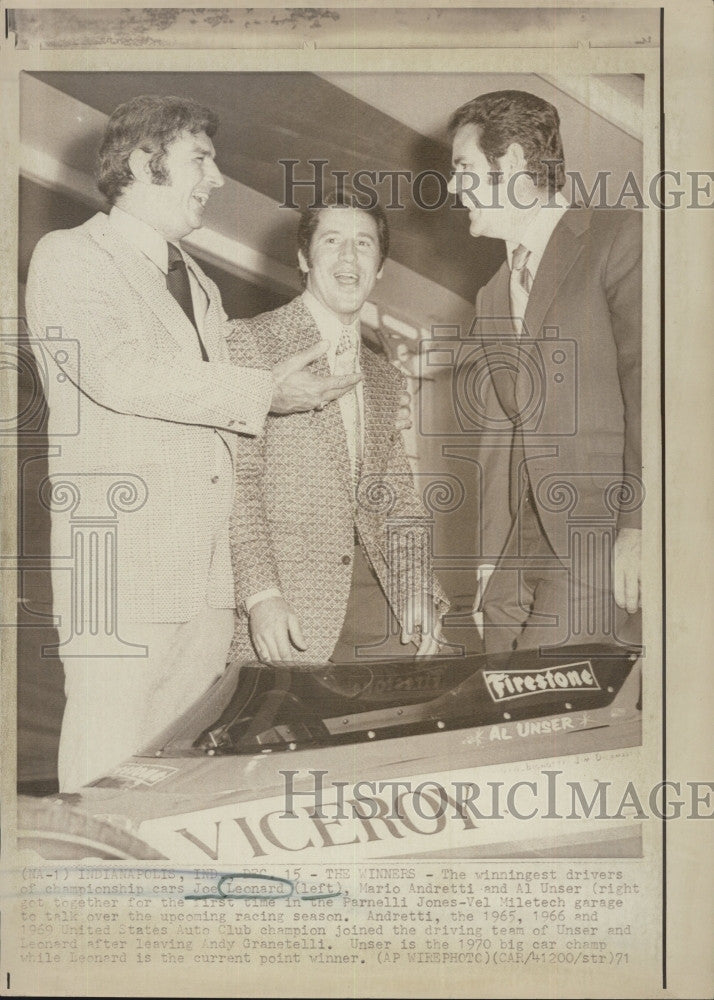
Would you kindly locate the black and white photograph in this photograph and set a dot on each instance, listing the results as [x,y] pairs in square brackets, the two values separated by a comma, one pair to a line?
[339,555]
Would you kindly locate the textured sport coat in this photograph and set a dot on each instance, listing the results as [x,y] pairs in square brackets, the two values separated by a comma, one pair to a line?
[295,513]
[572,383]
[131,402]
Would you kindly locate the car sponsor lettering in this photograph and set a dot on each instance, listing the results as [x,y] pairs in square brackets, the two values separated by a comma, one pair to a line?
[504,685]
[457,810]
[142,774]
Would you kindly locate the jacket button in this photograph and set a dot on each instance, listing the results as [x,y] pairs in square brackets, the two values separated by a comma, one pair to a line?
[346,560]
[214,479]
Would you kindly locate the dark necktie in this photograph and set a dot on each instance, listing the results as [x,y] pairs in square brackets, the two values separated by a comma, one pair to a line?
[178,284]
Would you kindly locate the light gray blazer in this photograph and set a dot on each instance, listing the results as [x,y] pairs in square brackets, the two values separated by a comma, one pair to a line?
[129,403]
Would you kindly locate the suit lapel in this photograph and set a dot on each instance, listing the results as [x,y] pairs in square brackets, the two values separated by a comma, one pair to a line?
[500,296]
[563,249]
[305,333]
[373,407]
[147,281]
[302,332]
[512,377]
[499,339]
[211,327]
[379,413]
[561,253]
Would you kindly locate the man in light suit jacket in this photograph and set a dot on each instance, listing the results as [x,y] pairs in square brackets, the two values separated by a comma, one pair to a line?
[331,544]
[560,329]
[131,323]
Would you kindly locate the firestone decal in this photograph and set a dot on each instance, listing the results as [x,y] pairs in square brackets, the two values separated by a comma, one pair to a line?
[504,685]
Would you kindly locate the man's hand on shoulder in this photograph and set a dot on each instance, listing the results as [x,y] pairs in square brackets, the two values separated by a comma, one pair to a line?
[627,569]
[275,630]
[297,390]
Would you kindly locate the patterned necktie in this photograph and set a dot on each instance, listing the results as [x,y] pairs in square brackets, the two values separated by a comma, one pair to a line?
[519,286]
[347,341]
[178,284]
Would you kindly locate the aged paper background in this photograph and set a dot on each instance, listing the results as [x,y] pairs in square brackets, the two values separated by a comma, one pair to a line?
[688,878]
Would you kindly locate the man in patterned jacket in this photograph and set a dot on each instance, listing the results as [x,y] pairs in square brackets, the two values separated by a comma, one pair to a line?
[330,542]
[131,331]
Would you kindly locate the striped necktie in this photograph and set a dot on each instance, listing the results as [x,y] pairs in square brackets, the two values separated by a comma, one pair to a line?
[520,285]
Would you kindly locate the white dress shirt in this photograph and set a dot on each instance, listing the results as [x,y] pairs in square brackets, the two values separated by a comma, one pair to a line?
[535,240]
[351,403]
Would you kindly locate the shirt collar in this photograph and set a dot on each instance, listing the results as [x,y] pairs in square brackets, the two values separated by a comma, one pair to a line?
[142,236]
[539,231]
[327,322]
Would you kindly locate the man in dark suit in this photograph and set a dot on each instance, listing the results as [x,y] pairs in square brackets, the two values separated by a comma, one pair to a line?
[331,544]
[560,332]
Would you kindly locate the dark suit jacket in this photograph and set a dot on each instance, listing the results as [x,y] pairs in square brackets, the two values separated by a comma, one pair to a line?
[572,384]
[294,516]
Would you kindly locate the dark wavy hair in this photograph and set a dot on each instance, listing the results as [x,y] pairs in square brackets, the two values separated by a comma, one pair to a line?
[151,123]
[507,116]
[341,198]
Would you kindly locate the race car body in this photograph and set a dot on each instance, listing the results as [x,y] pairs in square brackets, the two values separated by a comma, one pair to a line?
[512,755]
